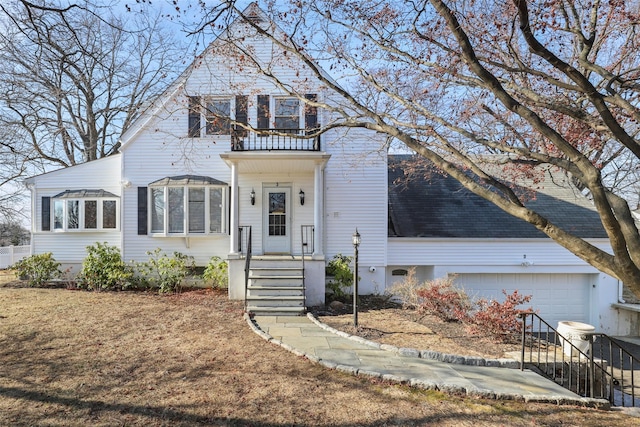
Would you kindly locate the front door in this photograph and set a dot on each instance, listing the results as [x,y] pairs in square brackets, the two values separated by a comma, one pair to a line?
[277,220]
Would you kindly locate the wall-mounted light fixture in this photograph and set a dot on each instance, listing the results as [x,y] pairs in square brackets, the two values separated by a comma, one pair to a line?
[301,194]
[253,197]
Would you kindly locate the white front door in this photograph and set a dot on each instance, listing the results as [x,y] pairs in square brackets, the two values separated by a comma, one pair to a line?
[276,220]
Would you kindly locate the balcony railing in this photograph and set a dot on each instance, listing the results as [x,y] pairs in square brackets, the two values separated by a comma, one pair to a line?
[274,140]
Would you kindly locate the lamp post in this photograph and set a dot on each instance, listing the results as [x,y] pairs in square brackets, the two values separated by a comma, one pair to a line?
[356,242]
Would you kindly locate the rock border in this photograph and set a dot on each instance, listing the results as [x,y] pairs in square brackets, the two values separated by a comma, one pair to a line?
[415,382]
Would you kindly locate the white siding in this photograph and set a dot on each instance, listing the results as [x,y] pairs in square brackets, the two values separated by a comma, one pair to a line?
[356,197]
[70,247]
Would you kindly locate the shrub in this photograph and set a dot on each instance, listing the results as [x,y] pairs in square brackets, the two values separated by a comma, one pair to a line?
[164,272]
[407,290]
[442,298]
[499,319]
[339,270]
[103,269]
[216,273]
[38,269]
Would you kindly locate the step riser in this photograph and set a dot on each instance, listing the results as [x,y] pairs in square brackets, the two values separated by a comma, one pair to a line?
[280,282]
[274,293]
[279,303]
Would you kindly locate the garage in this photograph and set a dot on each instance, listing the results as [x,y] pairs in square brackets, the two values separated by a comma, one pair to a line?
[555,296]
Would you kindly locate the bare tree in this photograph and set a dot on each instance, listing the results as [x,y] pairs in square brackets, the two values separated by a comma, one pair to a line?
[73,78]
[550,84]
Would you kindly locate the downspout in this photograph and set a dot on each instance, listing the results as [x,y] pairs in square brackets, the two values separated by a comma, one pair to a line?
[620,292]
[34,216]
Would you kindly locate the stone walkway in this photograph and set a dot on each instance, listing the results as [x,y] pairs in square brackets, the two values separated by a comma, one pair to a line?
[305,336]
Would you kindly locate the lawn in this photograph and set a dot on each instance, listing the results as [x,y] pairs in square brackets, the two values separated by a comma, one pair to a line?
[77,358]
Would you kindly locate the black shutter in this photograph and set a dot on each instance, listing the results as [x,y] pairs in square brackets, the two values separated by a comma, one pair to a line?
[46,214]
[194,116]
[263,111]
[311,113]
[242,114]
[142,210]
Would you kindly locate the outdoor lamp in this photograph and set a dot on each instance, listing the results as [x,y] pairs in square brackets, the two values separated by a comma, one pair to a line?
[356,239]
[301,194]
[253,197]
[356,242]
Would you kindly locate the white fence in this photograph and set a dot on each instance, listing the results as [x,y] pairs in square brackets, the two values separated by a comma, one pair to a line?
[9,255]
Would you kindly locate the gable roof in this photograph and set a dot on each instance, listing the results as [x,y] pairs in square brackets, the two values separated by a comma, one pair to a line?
[252,14]
[439,206]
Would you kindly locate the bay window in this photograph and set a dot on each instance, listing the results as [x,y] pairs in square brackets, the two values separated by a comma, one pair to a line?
[187,205]
[85,210]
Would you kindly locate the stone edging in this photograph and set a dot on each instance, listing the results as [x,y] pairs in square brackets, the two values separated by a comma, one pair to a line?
[423,354]
[414,382]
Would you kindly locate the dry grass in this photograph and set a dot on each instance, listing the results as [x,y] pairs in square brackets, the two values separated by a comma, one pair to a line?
[403,328]
[77,358]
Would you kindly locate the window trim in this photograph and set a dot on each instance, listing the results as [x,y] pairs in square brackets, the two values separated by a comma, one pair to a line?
[186,183]
[206,114]
[67,199]
[299,107]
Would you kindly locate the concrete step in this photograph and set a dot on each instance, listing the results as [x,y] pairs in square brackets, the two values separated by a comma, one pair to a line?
[273,291]
[275,311]
[276,301]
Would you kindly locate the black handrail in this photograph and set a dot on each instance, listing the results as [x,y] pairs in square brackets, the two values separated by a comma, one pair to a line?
[274,140]
[599,373]
[245,231]
[307,247]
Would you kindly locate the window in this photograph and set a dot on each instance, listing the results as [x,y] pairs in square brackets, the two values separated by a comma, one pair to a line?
[187,205]
[287,113]
[218,117]
[85,210]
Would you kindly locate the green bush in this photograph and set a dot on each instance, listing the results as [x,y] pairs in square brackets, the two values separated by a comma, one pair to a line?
[38,269]
[340,275]
[216,273]
[104,269]
[164,272]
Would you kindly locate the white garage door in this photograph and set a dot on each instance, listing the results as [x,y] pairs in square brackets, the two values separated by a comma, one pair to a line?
[555,296]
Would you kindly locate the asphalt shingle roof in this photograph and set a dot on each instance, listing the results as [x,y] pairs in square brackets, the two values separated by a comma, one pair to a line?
[439,206]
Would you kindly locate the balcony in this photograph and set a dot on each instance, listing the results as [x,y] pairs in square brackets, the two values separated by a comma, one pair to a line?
[274,140]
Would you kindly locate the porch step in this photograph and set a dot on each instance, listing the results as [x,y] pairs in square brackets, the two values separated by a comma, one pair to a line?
[276,311]
[276,287]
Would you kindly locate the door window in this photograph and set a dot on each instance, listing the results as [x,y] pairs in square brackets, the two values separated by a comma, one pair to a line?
[277,214]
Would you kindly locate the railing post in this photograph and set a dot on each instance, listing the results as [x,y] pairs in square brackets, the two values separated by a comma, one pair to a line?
[591,375]
[523,316]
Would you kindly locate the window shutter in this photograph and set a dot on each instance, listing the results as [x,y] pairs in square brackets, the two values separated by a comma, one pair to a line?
[46,214]
[242,115]
[142,210]
[194,116]
[263,111]
[311,113]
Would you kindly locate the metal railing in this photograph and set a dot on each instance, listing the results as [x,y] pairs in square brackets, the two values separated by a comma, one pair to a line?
[245,237]
[274,140]
[244,232]
[605,371]
[307,245]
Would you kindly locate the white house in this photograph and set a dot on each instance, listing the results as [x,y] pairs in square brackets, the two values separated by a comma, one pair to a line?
[227,163]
